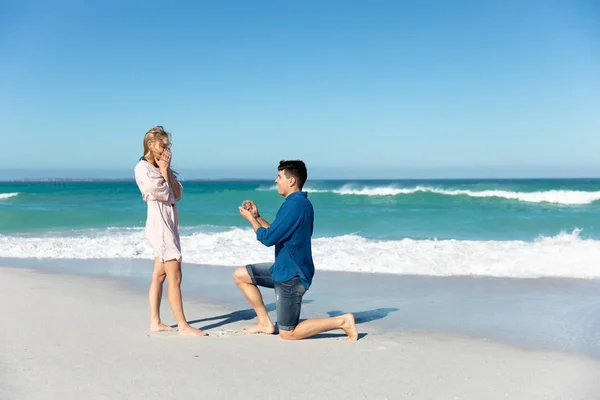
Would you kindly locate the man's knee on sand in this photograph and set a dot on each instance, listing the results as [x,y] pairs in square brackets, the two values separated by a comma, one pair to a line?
[287,334]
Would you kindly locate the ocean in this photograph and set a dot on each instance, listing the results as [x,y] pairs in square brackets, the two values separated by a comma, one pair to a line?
[502,228]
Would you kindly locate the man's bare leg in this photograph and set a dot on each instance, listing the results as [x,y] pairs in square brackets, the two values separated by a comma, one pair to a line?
[173,271]
[312,327]
[155,296]
[254,297]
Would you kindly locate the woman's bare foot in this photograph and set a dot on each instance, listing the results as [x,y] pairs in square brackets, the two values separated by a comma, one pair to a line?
[349,326]
[191,331]
[267,328]
[160,327]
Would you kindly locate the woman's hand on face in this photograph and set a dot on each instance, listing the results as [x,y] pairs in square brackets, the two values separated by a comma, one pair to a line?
[164,161]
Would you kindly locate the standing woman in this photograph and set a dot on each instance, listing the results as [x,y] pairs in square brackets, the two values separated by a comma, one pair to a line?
[161,190]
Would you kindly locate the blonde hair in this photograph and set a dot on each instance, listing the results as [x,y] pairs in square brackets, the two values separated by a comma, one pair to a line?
[155,134]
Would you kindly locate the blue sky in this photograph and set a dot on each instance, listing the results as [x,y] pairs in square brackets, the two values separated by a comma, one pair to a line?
[355,88]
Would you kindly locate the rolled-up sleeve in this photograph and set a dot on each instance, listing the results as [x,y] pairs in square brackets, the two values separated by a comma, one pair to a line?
[282,228]
[152,186]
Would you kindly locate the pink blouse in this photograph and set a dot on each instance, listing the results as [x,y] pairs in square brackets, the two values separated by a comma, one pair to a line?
[162,222]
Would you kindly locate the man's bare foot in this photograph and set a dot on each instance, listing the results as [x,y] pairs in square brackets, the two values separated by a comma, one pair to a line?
[267,328]
[191,331]
[160,327]
[349,326]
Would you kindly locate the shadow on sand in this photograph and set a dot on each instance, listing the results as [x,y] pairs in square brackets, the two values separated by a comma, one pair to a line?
[235,316]
[249,314]
[365,316]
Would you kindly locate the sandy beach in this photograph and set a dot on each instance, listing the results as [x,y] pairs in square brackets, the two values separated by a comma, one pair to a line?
[68,336]
[431,169]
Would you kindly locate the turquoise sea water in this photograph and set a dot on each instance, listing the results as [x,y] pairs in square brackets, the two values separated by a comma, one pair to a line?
[441,227]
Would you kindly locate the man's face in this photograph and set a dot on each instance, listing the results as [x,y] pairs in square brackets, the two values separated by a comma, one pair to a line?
[284,184]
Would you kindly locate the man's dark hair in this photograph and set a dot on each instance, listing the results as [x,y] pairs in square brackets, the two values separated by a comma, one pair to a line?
[295,168]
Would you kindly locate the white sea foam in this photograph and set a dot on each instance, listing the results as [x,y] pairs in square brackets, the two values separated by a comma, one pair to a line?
[264,188]
[564,255]
[566,197]
[7,195]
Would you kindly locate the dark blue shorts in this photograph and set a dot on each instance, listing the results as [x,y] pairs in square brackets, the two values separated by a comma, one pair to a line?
[288,294]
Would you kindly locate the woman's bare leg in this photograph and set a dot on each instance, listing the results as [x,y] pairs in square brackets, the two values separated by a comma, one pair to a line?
[173,271]
[155,296]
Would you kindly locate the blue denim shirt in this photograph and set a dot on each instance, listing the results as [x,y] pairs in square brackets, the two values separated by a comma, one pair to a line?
[291,233]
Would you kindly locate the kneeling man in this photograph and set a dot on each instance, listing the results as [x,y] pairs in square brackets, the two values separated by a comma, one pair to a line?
[292,273]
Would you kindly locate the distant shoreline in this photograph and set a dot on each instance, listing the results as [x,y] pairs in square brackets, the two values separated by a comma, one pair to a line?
[42,180]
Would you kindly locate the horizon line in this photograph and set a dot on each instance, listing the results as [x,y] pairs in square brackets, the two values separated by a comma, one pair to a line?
[233,179]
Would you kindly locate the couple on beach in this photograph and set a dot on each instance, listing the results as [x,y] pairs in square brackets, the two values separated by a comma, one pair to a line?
[291,231]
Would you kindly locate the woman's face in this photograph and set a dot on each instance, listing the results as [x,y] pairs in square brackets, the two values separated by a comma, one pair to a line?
[157,147]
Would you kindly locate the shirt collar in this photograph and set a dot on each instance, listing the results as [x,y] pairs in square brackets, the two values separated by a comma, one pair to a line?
[296,194]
